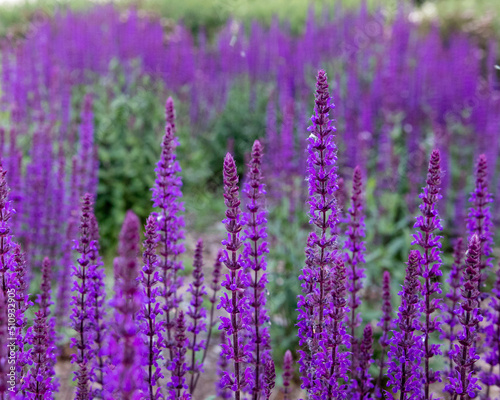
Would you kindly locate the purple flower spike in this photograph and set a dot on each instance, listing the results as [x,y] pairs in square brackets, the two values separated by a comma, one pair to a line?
[354,259]
[430,271]
[387,325]
[452,315]
[170,114]
[82,312]
[40,375]
[463,384]
[314,304]
[405,350]
[236,282]
[492,339]
[287,374]
[365,360]
[150,315]
[124,373]
[8,380]
[255,248]
[479,221]
[269,377]
[177,386]
[197,314]
[166,196]
[99,323]
[222,366]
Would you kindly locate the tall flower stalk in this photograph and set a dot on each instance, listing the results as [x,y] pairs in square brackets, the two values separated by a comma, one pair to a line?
[354,259]
[255,248]
[321,257]
[166,196]
[236,283]
[387,325]
[82,311]
[150,315]
[430,261]
[197,314]
[287,374]
[405,351]
[463,384]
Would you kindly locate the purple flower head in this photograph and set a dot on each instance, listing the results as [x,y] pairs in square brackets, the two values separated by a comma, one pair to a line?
[430,261]
[365,360]
[386,323]
[166,196]
[405,350]
[236,283]
[170,114]
[354,259]
[149,317]
[222,366]
[177,385]
[463,383]
[255,248]
[82,311]
[269,377]
[287,374]
[197,315]
[126,346]
[479,220]
[314,304]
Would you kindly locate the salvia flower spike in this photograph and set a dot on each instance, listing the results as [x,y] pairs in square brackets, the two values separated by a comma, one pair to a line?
[82,311]
[150,315]
[236,283]
[255,248]
[463,384]
[386,323]
[405,350]
[166,196]
[354,259]
[197,315]
[320,250]
[287,374]
[479,220]
[177,386]
[430,261]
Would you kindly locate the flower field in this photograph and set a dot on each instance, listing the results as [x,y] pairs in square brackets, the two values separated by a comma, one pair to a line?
[254,210]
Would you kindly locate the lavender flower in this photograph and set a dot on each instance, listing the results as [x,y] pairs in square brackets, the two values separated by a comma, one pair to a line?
[236,282]
[166,196]
[6,243]
[320,251]
[287,374]
[405,352]
[8,380]
[353,258]
[151,325]
[365,360]
[426,224]
[451,317]
[177,386]
[387,326]
[82,311]
[463,383]
[269,377]
[222,366]
[254,251]
[197,314]
[479,221]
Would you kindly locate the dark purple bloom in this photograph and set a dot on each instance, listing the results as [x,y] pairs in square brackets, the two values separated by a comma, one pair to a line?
[222,366]
[405,351]
[321,257]
[255,248]
[150,321]
[386,323]
[451,315]
[124,375]
[362,391]
[83,311]
[269,377]
[479,221]
[287,374]
[197,315]
[177,386]
[236,283]
[463,383]
[430,262]
[354,259]
[166,196]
